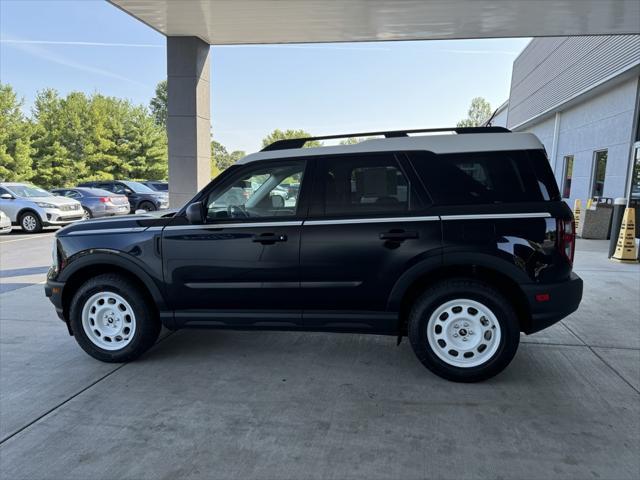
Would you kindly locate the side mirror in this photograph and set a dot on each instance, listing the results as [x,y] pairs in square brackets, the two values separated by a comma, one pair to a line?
[6,196]
[195,213]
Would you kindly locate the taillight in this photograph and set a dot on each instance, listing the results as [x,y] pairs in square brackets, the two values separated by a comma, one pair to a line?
[567,238]
[105,199]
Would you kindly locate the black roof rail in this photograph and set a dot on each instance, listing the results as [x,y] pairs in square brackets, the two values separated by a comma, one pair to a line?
[290,143]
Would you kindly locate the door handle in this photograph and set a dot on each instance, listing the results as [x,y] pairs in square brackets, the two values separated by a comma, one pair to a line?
[269,238]
[398,235]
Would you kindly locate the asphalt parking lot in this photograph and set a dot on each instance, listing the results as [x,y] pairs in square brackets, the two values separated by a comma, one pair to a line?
[211,404]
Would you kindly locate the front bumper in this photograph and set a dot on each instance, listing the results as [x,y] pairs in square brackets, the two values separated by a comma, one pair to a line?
[55,216]
[550,303]
[53,291]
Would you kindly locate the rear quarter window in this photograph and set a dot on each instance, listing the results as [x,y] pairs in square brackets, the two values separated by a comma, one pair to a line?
[485,177]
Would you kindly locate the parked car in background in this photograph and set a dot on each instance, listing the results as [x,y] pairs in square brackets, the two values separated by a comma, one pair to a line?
[96,202]
[157,185]
[32,207]
[5,223]
[139,195]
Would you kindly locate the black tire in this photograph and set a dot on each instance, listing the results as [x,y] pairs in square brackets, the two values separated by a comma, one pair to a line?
[477,291]
[148,206]
[147,323]
[87,213]
[33,222]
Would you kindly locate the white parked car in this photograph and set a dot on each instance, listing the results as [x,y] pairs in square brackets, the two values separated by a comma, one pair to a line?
[5,223]
[32,207]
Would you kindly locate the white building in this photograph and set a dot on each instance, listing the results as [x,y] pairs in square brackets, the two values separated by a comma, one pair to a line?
[581,97]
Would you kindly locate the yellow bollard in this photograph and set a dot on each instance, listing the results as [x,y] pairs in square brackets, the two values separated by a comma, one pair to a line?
[577,207]
[589,204]
[626,248]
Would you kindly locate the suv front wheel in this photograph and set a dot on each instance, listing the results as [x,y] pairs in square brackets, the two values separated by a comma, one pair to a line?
[112,320]
[30,222]
[464,330]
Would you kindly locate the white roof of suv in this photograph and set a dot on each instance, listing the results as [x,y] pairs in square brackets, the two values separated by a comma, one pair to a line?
[447,143]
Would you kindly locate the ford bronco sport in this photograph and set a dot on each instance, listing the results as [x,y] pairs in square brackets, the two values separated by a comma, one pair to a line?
[457,239]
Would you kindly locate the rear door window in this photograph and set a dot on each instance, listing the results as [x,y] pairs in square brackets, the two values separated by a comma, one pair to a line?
[361,185]
[483,177]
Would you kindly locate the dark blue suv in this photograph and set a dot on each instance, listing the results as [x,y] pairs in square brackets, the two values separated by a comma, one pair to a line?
[458,241]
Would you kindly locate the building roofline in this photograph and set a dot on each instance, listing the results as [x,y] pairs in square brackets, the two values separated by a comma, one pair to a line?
[629,71]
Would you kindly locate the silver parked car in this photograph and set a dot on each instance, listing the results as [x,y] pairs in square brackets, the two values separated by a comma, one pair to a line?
[5,223]
[96,202]
[32,207]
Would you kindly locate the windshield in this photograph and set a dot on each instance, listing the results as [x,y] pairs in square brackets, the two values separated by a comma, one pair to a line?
[138,187]
[27,191]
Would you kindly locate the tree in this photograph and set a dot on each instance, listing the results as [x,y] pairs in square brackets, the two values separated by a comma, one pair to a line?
[221,159]
[278,134]
[15,138]
[354,140]
[59,138]
[144,146]
[158,104]
[479,112]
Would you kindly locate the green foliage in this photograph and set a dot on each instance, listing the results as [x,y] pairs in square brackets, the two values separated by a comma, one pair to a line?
[77,138]
[479,112]
[278,134]
[354,140]
[221,159]
[15,138]
[158,104]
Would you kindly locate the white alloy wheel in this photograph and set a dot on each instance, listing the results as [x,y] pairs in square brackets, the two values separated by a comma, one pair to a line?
[108,321]
[29,222]
[85,214]
[463,333]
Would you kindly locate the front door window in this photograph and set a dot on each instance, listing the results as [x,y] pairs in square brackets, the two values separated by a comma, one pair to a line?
[261,192]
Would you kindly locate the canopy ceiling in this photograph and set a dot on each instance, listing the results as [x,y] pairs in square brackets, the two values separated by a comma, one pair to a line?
[228,22]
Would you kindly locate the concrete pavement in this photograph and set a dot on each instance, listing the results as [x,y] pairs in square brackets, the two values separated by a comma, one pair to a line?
[214,404]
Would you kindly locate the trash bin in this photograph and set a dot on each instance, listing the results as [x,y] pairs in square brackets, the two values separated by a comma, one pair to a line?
[596,221]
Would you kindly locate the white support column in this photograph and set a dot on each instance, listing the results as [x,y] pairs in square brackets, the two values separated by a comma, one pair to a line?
[554,149]
[189,117]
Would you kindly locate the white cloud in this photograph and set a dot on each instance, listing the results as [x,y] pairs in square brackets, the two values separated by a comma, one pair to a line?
[39,52]
[81,44]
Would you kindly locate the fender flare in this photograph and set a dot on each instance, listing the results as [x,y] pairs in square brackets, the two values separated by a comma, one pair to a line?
[452,259]
[88,258]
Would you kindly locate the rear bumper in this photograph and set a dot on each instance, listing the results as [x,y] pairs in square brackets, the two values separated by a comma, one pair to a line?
[563,299]
[53,291]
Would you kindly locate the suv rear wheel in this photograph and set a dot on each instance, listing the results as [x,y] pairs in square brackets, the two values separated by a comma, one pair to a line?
[112,320]
[464,330]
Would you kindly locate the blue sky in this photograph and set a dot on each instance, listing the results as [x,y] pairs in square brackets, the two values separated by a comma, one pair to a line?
[92,46]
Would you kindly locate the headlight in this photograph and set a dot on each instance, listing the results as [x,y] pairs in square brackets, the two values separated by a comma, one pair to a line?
[45,205]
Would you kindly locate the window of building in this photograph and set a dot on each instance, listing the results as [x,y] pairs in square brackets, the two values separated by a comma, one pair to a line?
[566,176]
[599,172]
[635,176]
